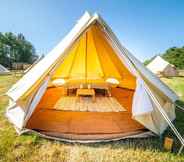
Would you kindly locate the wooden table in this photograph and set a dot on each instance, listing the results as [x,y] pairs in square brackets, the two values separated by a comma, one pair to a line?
[86,92]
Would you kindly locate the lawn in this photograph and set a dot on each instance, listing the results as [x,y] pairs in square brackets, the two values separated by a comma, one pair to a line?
[31,148]
[177,84]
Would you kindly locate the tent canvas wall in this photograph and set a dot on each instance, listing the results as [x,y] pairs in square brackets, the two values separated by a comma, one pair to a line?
[161,67]
[3,70]
[91,54]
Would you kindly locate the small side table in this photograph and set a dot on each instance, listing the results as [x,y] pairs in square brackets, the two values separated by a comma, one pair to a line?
[85,92]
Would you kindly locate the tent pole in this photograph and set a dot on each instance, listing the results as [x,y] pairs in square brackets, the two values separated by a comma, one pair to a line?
[159,107]
[179,107]
[123,50]
[180,150]
[154,99]
[182,109]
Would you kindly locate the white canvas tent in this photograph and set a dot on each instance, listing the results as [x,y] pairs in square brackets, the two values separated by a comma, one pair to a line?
[152,105]
[161,67]
[3,70]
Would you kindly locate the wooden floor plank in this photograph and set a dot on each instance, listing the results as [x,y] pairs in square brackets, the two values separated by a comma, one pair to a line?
[83,122]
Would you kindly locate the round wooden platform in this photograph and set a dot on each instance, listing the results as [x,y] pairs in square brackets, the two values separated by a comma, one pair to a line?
[76,125]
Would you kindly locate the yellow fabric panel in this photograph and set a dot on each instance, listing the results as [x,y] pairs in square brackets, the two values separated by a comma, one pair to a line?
[93,60]
[96,81]
[127,79]
[79,64]
[128,83]
[64,69]
[109,68]
[85,81]
[122,69]
[94,69]
[78,81]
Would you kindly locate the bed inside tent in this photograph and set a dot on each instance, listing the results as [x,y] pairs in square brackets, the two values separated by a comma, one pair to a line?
[89,95]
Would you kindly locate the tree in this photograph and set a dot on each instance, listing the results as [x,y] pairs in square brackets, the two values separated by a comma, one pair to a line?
[15,48]
[174,55]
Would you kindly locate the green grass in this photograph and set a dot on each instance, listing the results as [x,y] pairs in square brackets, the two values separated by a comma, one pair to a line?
[31,148]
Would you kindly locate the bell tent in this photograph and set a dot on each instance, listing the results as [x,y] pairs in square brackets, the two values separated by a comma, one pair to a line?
[90,88]
[160,67]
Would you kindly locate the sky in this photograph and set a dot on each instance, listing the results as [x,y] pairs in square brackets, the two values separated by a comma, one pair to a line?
[144,27]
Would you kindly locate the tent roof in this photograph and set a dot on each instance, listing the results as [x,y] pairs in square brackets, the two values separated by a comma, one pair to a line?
[35,76]
[158,64]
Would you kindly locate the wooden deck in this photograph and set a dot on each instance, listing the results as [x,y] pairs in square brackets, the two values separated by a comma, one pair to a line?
[66,123]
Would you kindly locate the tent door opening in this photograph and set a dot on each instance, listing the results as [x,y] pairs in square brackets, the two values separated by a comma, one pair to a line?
[64,116]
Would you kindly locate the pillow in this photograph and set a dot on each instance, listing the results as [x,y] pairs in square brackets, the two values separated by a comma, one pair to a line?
[112,81]
[58,82]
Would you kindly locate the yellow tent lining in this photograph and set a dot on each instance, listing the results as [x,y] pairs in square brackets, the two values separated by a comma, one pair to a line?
[92,59]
